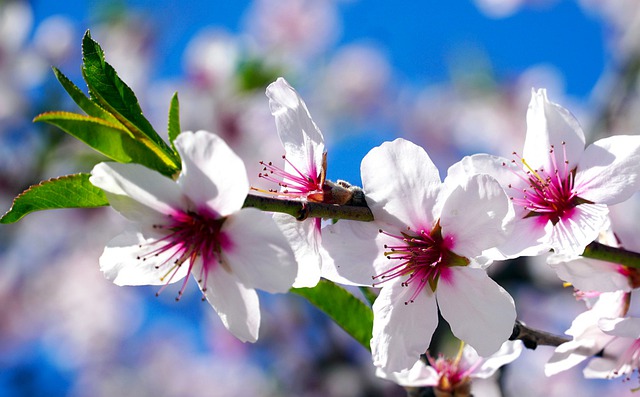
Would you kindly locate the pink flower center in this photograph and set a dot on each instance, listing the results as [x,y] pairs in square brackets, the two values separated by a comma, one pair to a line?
[424,258]
[293,184]
[454,376]
[188,237]
[549,194]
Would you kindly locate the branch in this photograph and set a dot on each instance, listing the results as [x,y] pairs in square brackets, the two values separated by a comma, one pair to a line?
[532,338]
[620,256]
[303,209]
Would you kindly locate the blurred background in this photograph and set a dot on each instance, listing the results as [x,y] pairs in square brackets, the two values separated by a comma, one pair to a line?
[455,77]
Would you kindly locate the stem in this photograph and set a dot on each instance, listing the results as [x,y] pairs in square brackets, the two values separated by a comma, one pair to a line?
[532,338]
[620,256]
[303,209]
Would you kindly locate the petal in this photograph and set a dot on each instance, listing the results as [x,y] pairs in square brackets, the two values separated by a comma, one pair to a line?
[479,311]
[549,124]
[568,355]
[302,140]
[575,231]
[350,251]
[589,274]
[508,352]
[304,238]
[401,331]
[473,214]
[401,184]
[259,256]
[609,170]
[628,327]
[237,305]
[120,262]
[527,237]
[610,366]
[212,174]
[138,193]
[418,375]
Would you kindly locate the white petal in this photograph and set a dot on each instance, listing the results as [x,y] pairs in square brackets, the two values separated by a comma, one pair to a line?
[568,355]
[138,193]
[350,251]
[589,274]
[628,327]
[527,237]
[212,174]
[259,255]
[419,375]
[302,140]
[121,261]
[508,352]
[304,238]
[237,305]
[472,216]
[549,124]
[401,184]
[401,332]
[602,368]
[479,311]
[574,232]
[609,171]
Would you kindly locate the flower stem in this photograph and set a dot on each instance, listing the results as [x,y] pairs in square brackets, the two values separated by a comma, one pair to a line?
[620,256]
[302,210]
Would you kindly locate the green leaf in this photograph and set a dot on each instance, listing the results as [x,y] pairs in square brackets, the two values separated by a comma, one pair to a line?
[174,118]
[255,74]
[106,88]
[91,108]
[112,140]
[71,191]
[349,312]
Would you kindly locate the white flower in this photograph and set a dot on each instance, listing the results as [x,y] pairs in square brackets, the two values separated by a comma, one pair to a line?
[196,225]
[303,175]
[588,338]
[561,190]
[455,375]
[422,251]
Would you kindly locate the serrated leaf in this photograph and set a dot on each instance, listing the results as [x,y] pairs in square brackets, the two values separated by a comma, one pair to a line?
[349,312]
[91,108]
[174,118]
[106,88]
[112,140]
[70,191]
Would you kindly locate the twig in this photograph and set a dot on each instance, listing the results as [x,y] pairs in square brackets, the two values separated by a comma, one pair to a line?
[532,338]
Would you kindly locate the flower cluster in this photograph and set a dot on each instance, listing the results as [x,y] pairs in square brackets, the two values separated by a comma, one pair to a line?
[427,250]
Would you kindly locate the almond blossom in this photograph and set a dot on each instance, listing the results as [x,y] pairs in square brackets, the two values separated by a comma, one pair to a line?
[455,376]
[588,338]
[423,250]
[196,225]
[560,190]
[302,177]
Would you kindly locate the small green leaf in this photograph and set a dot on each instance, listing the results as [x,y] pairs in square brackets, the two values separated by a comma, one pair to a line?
[89,107]
[106,88]
[349,312]
[70,191]
[112,140]
[174,118]
[255,74]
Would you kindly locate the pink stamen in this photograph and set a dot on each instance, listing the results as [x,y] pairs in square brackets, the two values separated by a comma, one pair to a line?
[188,237]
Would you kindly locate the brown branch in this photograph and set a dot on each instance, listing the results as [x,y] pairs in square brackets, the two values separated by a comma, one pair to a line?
[532,338]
